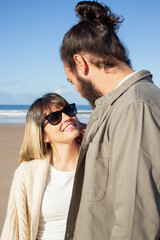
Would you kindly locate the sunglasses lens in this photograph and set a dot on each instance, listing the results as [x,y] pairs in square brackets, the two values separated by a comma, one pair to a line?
[70,110]
[55,118]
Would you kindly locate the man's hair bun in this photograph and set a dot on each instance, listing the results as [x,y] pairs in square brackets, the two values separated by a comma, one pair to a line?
[94,11]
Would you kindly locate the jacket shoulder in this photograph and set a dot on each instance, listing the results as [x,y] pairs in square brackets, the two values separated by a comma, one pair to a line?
[148,93]
[144,92]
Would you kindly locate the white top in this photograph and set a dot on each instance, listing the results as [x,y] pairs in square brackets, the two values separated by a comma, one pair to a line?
[55,205]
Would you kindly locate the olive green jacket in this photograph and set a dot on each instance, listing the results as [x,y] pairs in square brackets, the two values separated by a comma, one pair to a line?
[116,194]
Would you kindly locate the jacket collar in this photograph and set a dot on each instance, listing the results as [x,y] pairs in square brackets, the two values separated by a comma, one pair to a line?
[116,93]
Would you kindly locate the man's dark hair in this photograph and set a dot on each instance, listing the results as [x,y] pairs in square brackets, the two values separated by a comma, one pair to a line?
[95,34]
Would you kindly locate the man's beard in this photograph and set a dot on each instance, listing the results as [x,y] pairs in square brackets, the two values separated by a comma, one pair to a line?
[88,90]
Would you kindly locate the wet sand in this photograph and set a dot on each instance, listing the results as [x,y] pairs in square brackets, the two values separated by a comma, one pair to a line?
[11,136]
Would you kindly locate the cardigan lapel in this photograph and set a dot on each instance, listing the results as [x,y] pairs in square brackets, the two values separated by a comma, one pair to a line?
[41,177]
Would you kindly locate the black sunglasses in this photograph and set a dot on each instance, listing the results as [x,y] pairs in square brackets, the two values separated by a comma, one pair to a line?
[55,117]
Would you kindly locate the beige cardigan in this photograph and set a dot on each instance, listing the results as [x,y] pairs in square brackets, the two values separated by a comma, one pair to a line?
[25,199]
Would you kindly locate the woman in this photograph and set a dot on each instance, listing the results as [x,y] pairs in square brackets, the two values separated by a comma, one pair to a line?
[42,184]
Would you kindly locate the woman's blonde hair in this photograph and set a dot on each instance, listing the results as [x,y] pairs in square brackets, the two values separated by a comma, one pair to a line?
[33,145]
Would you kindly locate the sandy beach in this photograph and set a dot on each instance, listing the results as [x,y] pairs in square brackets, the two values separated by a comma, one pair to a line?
[11,136]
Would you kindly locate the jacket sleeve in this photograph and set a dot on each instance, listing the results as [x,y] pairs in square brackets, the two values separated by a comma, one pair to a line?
[135,176]
[16,226]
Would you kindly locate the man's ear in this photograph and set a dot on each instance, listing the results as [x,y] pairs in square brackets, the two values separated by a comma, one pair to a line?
[81,63]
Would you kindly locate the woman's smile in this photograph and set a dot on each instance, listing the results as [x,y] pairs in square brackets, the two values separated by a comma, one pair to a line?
[69,127]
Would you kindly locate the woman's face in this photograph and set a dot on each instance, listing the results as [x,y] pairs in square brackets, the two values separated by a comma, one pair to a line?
[62,133]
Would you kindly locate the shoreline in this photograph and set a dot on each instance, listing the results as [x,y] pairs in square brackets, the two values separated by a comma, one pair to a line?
[11,136]
[12,123]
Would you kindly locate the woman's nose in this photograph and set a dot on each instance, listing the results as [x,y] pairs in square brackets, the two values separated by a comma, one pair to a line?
[65,117]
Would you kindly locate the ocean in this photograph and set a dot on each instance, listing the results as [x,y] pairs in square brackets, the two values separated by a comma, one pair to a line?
[17,113]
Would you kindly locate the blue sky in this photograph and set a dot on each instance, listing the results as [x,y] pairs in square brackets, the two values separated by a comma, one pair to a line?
[31,32]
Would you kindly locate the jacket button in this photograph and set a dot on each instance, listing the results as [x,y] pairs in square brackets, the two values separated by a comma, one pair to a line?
[95,117]
[69,236]
[99,102]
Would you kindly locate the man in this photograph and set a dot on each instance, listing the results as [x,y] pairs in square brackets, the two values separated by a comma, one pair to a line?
[116,193]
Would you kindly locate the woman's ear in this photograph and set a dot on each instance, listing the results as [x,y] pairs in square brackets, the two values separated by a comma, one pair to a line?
[81,63]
